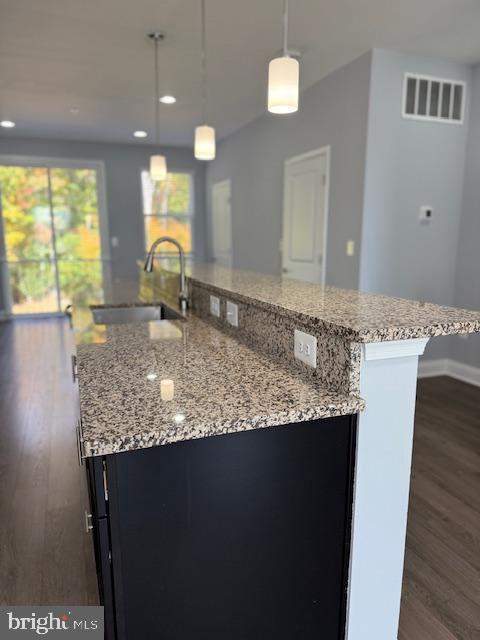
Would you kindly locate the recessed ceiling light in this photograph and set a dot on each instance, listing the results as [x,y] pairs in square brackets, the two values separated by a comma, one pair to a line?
[140,134]
[7,124]
[74,111]
[168,99]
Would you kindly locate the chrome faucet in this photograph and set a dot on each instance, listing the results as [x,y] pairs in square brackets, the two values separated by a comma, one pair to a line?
[183,293]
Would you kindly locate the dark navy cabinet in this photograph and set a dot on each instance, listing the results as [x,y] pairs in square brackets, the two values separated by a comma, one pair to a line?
[237,537]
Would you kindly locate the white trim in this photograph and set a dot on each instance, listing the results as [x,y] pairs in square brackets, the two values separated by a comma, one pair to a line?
[388,382]
[449,367]
[211,239]
[394,349]
[428,118]
[326,151]
[48,161]
[432,368]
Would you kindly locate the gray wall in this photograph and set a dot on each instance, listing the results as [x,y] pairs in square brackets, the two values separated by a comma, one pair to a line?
[332,112]
[123,163]
[411,163]
[467,282]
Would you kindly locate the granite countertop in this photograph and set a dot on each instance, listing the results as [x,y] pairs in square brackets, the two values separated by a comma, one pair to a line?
[356,316]
[220,386]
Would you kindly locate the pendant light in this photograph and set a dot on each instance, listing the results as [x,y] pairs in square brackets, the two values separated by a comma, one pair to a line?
[204,134]
[283,75]
[158,163]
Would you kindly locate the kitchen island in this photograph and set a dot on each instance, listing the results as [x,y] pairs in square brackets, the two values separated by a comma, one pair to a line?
[234,491]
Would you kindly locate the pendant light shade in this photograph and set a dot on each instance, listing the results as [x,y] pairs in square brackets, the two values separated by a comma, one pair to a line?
[158,168]
[283,74]
[158,163]
[283,77]
[204,142]
[204,147]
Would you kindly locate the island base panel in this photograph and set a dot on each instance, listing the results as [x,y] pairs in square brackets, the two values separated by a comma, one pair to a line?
[237,536]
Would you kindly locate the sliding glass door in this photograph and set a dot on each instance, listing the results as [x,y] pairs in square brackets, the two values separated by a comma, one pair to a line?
[52,242]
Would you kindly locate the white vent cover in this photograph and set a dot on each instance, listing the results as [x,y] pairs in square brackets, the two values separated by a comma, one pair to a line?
[434,99]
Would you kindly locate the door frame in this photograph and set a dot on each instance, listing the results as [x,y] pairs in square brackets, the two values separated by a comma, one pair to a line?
[216,184]
[50,162]
[325,151]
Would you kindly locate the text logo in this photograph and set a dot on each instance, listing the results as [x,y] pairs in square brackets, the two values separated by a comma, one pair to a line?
[32,622]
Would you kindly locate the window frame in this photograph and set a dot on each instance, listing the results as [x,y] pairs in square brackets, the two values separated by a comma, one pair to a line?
[49,163]
[190,217]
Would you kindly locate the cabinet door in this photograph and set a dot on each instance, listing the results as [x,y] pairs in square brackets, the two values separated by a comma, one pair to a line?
[239,536]
[101,541]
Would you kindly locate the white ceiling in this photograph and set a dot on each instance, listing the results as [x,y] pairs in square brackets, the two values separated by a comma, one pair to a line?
[94,55]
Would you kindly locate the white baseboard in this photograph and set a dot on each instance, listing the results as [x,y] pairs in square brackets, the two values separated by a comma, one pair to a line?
[432,368]
[448,367]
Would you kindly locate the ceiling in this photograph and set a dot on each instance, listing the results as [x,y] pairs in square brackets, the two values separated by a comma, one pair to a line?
[93,56]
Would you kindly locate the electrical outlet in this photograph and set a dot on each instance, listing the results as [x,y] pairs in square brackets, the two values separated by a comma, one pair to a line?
[306,348]
[350,248]
[215,306]
[232,313]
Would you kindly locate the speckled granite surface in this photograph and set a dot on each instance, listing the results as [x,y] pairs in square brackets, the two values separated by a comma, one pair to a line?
[272,333]
[220,386]
[356,316]
[229,379]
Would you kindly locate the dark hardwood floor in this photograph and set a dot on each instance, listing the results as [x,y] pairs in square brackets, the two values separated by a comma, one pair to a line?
[45,555]
[441,584]
[47,558]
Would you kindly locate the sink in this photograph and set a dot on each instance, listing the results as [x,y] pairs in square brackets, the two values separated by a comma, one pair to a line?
[125,315]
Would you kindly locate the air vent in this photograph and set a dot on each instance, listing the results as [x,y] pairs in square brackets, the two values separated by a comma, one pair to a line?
[434,99]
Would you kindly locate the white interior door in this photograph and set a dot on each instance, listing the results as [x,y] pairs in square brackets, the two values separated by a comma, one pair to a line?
[305,216]
[222,223]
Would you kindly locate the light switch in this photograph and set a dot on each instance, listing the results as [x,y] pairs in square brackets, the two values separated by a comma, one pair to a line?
[114,241]
[350,248]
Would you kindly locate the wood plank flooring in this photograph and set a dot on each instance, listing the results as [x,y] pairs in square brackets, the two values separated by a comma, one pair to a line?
[46,558]
[45,555]
[441,583]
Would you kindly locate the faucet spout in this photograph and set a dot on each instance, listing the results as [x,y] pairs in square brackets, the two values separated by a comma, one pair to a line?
[183,293]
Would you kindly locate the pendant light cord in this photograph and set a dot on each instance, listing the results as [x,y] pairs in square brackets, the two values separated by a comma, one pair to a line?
[157,94]
[204,66]
[285,29]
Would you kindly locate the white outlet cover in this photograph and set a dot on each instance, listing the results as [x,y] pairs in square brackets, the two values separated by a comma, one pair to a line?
[305,348]
[232,313]
[215,306]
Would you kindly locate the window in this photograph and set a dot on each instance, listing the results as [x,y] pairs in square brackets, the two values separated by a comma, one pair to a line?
[51,227]
[168,210]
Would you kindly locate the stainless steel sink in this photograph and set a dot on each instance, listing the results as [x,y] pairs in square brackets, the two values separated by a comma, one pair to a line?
[125,315]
